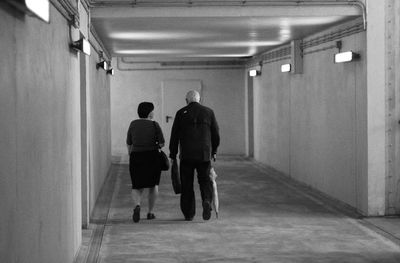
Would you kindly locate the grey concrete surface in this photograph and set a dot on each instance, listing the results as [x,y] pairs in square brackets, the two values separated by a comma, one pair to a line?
[262,219]
[322,113]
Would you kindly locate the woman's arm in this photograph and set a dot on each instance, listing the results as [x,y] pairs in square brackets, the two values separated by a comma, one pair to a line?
[129,142]
[129,148]
[160,135]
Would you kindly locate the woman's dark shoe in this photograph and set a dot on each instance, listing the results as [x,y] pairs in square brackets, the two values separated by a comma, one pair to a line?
[150,216]
[136,214]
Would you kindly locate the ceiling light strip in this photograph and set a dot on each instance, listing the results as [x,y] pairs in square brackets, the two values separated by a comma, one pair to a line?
[202,63]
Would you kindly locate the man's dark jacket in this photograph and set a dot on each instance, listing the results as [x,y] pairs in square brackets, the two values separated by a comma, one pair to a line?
[195,130]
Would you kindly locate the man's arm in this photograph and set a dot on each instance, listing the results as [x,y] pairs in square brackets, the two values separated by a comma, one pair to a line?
[174,140]
[215,139]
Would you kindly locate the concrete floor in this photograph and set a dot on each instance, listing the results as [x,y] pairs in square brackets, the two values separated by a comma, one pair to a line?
[263,218]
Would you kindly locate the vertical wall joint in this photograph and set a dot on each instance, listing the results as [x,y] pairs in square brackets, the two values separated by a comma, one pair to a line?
[296,56]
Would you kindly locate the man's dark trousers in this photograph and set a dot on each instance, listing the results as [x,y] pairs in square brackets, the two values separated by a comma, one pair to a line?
[187,168]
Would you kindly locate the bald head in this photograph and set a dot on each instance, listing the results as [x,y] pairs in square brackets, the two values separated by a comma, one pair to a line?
[192,96]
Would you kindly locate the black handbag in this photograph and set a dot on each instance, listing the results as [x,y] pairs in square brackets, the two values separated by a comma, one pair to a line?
[163,158]
[164,161]
[175,178]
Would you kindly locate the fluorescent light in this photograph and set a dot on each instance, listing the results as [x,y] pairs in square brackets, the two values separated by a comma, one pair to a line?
[286,68]
[254,72]
[39,8]
[82,45]
[249,43]
[85,47]
[150,51]
[102,64]
[153,35]
[237,55]
[346,56]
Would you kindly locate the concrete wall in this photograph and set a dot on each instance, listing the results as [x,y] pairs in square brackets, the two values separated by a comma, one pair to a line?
[99,128]
[377,114]
[312,126]
[40,150]
[223,91]
[393,105]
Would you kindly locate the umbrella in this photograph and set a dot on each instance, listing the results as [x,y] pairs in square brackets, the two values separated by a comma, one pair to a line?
[215,202]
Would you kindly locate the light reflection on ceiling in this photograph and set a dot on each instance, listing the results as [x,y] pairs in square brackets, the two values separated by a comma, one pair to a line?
[212,37]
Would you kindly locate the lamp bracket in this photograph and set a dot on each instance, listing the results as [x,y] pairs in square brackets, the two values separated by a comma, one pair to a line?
[339,45]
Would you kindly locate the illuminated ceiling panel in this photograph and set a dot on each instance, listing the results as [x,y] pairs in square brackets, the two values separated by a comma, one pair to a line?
[207,32]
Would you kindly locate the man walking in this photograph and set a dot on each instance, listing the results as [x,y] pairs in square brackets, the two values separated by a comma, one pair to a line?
[195,131]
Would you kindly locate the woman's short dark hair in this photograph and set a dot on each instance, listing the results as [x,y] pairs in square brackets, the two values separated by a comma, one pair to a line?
[144,109]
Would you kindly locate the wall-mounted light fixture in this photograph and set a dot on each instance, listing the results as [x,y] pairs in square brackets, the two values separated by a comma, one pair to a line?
[286,68]
[82,45]
[38,8]
[102,64]
[254,72]
[110,71]
[346,57]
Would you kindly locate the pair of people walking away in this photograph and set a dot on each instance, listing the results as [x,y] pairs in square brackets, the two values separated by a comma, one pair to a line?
[195,133]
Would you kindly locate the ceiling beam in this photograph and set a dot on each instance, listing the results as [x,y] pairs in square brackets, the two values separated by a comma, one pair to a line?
[226,11]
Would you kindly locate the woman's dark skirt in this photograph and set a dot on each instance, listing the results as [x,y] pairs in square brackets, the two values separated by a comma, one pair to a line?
[145,169]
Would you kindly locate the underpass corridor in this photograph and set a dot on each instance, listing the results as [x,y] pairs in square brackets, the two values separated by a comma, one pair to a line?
[264,217]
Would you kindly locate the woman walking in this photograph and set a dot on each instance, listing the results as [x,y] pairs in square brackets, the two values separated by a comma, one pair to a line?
[143,140]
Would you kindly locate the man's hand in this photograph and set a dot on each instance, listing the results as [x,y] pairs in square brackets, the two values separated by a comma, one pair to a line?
[214,157]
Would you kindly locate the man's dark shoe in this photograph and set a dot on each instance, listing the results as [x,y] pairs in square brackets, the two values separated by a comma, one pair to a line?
[206,210]
[189,218]
[136,214]
[150,216]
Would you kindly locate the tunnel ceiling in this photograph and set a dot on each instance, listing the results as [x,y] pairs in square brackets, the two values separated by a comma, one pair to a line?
[172,30]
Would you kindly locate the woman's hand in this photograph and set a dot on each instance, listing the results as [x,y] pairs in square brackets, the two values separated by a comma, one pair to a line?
[129,147]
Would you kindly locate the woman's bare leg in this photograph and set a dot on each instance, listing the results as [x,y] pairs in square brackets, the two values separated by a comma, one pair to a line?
[137,196]
[153,193]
